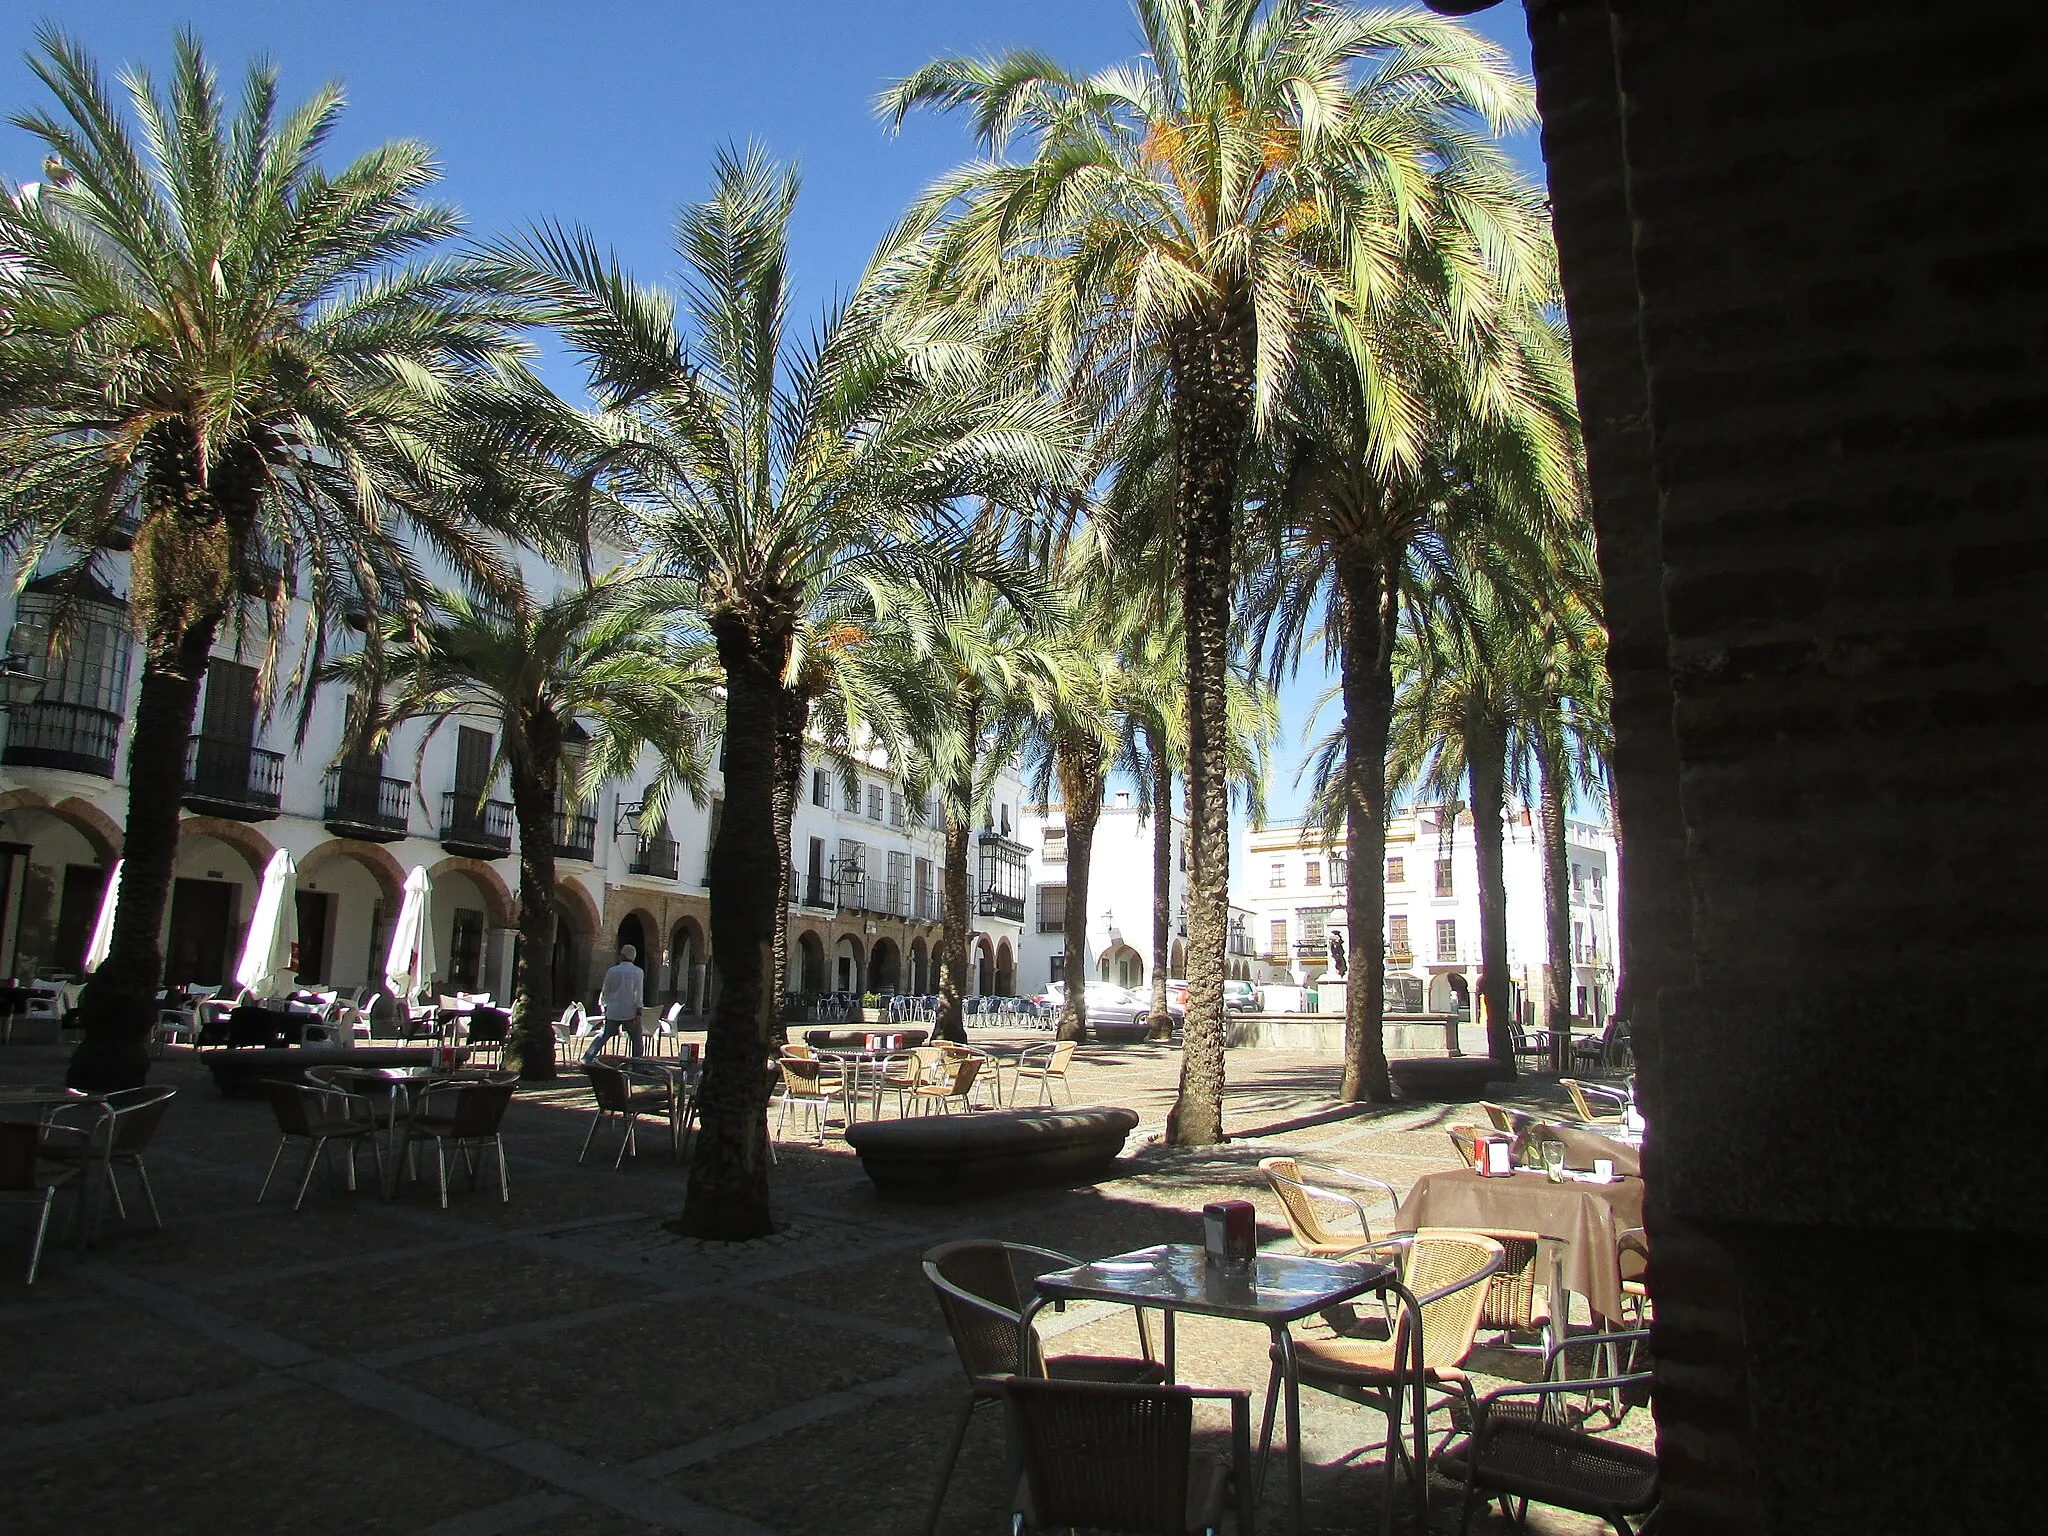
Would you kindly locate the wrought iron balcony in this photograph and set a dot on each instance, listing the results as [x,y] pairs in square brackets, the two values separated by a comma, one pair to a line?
[927,906]
[575,836]
[655,856]
[817,893]
[364,804]
[1000,904]
[46,734]
[233,779]
[481,830]
[1312,946]
[896,898]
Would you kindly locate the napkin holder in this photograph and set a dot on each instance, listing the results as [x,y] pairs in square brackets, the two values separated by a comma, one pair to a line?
[1230,1233]
[1493,1156]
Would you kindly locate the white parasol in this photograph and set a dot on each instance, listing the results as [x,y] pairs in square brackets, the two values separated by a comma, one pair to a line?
[269,954]
[103,925]
[411,960]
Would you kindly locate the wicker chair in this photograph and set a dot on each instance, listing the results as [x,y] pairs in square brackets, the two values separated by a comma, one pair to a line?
[1613,1102]
[1047,1064]
[1121,1458]
[1525,1447]
[321,1115]
[956,1081]
[981,1294]
[987,1090]
[1633,1249]
[1445,1271]
[811,1083]
[466,1116]
[1465,1139]
[113,1133]
[629,1099]
[1305,1202]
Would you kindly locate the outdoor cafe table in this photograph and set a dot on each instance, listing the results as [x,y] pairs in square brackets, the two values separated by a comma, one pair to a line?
[1274,1289]
[1586,1219]
[394,1083]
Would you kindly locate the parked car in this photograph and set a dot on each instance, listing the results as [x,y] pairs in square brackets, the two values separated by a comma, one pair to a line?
[1240,997]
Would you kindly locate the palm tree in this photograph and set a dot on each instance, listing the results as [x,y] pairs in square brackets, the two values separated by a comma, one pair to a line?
[539,670]
[208,333]
[1178,226]
[763,472]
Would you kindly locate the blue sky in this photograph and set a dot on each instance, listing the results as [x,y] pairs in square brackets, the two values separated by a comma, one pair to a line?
[607,112]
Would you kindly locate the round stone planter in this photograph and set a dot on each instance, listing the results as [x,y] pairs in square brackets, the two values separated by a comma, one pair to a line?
[1441,1079]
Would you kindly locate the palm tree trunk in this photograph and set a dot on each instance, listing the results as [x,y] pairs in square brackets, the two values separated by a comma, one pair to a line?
[950,1023]
[1486,751]
[1210,406]
[791,718]
[1557,927]
[1080,770]
[1160,1025]
[728,1191]
[1372,610]
[536,776]
[119,1004]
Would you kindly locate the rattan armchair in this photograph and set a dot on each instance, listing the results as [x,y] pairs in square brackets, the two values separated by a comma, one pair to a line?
[1465,1141]
[466,1116]
[1529,1444]
[1112,1457]
[1445,1272]
[957,1076]
[1612,1107]
[320,1115]
[1311,1195]
[809,1083]
[981,1287]
[1045,1064]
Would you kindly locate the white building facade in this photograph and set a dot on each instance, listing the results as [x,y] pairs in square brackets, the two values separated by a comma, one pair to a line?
[1295,886]
[1119,897]
[864,888]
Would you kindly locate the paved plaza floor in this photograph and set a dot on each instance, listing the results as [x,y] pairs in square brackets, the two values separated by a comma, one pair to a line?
[563,1364]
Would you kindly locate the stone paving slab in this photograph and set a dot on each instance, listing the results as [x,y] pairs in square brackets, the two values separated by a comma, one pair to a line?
[564,1363]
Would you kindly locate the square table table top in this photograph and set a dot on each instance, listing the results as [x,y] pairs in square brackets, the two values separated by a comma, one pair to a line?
[1587,1218]
[1273,1289]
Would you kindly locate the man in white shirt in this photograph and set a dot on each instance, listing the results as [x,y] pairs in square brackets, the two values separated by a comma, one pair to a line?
[619,998]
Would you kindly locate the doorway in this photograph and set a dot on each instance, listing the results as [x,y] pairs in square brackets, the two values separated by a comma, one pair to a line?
[466,950]
[315,911]
[78,907]
[201,912]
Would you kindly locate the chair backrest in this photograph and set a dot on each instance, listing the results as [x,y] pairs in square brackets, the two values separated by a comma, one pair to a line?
[799,1052]
[294,1103]
[1104,1456]
[607,1086]
[672,1016]
[1285,1176]
[1502,1120]
[964,1070]
[487,1026]
[1511,1294]
[18,1156]
[1466,1139]
[1062,1053]
[478,1108]
[136,1114]
[1446,1271]
[1581,1102]
[803,1076]
[976,1283]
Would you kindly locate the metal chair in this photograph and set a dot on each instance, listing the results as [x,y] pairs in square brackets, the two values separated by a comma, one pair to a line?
[321,1115]
[619,1098]
[21,1184]
[1048,1064]
[981,1288]
[957,1075]
[1445,1272]
[1584,1093]
[1528,1445]
[98,1138]
[468,1116]
[811,1084]
[1114,1457]
[1305,1204]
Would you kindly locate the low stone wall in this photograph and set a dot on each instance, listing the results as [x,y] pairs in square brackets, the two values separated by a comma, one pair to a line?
[1319,1032]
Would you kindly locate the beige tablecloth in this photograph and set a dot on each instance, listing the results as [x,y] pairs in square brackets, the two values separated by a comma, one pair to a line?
[1587,1218]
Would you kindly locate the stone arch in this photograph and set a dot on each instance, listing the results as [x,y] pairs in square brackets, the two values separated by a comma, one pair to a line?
[372,857]
[1006,970]
[810,971]
[1177,962]
[1121,966]
[920,967]
[575,933]
[238,835]
[574,904]
[99,829]
[849,965]
[885,966]
[982,966]
[499,908]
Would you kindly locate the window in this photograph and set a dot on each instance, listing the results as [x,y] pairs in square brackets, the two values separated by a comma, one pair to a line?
[1314,873]
[1579,941]
[1183,855]
[814,891]
[895,809]
[1058,971]
[874,802]
[1006,821]
[1397,936]
[896,895]
[1594,880]
[1578,882]
[1055,845]
[1279,936]
[1443,877]
[1277,876]
[1397,871]
[1052,909]
[927,904]
[1315,923]
[821,788]
[850,873]
[1339,872]
[1446,940]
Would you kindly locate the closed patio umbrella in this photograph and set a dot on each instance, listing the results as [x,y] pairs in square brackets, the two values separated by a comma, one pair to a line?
[103,925]
[411,959]
[268,958]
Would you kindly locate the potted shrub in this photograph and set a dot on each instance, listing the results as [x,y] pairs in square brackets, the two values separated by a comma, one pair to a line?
[871,1009]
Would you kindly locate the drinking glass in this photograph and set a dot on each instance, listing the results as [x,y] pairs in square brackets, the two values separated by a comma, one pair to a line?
[1553,1161]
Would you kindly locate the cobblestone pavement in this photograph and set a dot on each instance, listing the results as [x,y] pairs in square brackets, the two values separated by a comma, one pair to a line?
[563,1364]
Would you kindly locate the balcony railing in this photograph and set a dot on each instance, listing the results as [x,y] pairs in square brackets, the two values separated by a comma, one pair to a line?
[655,856]
[52,735]
[575,836]
[896,898]
[1311,946]
[817,892]
[1402,955]
[1240,943]
[927,906]
[362,803]
[483,830]
[233,779]
[998,904]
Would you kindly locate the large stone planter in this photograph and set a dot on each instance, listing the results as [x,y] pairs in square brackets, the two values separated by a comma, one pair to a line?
[956,1157]
[1441,1079]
